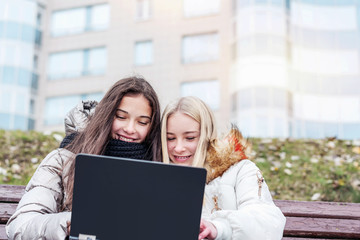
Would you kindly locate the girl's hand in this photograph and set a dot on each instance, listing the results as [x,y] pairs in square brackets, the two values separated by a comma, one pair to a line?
[68,226]
[207,230]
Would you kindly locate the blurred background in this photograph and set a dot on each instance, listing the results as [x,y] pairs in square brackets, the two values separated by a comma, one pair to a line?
[276,68]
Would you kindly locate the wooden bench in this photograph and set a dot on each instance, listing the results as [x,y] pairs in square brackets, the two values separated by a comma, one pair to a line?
[304,220]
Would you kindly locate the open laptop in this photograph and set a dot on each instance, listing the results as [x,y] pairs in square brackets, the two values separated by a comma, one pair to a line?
[119,198]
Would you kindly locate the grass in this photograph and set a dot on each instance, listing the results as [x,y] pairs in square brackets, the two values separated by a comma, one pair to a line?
[294,169]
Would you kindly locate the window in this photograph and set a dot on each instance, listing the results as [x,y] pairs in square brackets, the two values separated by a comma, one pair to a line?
[324,17]
[77,20]
[20,122]
[194,8]
[4,121]
[200,48]
[143,53]
[57,107]
[208,91]
[143,9]
[77,63]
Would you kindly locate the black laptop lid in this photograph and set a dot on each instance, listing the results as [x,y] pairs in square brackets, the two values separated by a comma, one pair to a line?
[118,198]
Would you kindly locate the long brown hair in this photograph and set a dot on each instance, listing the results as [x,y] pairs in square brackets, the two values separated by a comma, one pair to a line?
[96,135]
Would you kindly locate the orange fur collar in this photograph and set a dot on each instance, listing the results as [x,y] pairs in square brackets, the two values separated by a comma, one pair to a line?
[222,154]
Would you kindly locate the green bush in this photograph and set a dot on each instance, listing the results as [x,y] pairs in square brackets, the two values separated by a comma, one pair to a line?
[294,169]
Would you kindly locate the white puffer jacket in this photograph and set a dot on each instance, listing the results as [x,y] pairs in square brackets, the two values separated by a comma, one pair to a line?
[244,214]
[237,199]
[38,215]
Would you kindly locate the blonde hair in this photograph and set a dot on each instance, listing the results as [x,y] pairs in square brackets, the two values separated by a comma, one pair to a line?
[200,112]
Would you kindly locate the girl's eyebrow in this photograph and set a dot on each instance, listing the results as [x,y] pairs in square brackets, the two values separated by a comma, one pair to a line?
[184,132]
[120,110]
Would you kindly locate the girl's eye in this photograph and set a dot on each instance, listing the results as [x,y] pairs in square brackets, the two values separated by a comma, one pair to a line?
[190,138]
[170,139]
[144,123]
[120,117]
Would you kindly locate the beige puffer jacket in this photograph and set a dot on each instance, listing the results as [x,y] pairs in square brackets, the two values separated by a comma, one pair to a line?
[77,118]
[38,214]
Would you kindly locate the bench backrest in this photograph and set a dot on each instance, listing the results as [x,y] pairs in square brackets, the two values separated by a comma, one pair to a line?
[303,219]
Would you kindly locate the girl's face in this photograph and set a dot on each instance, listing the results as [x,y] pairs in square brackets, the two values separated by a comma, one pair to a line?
[132,119]
[183,134]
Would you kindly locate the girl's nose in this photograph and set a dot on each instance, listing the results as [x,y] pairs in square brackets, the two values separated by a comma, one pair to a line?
[179,146]
[130,127]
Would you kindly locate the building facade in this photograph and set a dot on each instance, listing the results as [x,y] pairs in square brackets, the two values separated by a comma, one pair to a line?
[276,68]
[20,46]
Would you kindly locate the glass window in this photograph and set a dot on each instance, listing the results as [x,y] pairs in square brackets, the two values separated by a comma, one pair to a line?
[77,63]
[21,103]
[12,30]
[2,28]
[280,98]
[143,9]
[57,107]
[262,126]
[28,12]
[312,130]
[77,20]
[262,97]
[324,17]
[208,91]
[32,106]
[8,75]
[331,130]
[20,122]
[143,53]
[351,131]
[34,81]
[200,48]
[31,124]
[38,36]
[28,33]
[99,19]
[279,127]
[24,77]
[326,61]
[97,61]
[68,21]
[4,121]
[244,99]
[5,99]
[93,96]
[66,64]
[194,8]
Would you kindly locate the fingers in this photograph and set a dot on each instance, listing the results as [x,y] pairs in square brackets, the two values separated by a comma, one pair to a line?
[68,226]
[204,233]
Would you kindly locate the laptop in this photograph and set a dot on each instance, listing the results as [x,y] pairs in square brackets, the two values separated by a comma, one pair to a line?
[120,198]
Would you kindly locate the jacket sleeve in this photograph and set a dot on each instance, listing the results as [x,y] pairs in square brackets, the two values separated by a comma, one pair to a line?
[37,215]
[77,118]
[256,216]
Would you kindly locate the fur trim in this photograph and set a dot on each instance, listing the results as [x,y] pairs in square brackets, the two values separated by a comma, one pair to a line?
[222,154]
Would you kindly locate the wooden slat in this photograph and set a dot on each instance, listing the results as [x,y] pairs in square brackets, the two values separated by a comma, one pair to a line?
[306,238]
[337,210]
[6,211]
[322,228]
[11,193]
[3,235]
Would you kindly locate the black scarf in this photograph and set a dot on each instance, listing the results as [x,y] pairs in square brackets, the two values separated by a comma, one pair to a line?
[118,148]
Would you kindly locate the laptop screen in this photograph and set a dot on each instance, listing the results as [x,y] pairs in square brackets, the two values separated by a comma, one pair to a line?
[118,198]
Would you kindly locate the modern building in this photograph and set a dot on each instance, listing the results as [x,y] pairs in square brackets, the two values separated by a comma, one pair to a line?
[20,47]
[182,48]
[276,68]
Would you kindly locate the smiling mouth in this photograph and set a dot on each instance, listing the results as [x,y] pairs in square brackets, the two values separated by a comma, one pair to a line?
[182,158]
[125,139]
